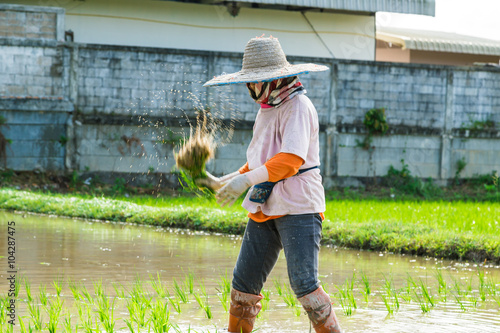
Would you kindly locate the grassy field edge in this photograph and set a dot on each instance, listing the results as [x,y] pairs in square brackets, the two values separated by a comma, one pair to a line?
[378,236]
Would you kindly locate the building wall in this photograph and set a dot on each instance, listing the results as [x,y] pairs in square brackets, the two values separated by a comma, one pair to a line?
[391,52]
[448,58]
[119,110]
[208,27]
[394,53]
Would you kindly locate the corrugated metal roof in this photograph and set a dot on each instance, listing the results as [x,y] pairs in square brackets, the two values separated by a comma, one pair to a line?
[438,41]
[423,7]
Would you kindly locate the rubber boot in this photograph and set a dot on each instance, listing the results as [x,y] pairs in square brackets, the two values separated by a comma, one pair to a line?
[319,309]
[242,312]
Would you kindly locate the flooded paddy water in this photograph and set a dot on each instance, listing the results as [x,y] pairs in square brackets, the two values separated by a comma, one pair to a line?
[407,293]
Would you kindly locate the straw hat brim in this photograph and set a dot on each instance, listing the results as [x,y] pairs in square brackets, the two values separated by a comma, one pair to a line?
[264,75]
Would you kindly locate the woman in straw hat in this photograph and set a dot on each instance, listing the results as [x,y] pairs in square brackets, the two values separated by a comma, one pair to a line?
[286,201]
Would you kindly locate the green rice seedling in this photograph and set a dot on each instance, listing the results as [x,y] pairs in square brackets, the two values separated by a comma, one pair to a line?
[224,300]
[137,312]
[387,303]
[407,291]
[98,289]
[9,328]
[105,311]
[43,295]
[288,296]
[130,325]
[3,309]
[179,291]
[22,326]
[160,317]
[119,290]
[442,285]
[189,282]
[265,300]
[424,305]
[279,289]
[474,300]
[325,287]
[175,303]
[426,293]
[17,287]
[58,284]
[460,303]
[27,286]
[290,299]
[366,291]
[297,311]
[346,298]
[75,290]
[225,284]
[86,294]
[197,150]
[266,294]
[54,311]
[352,282]
[203,303]
[68,327]
[483,285]
[202,288]
[161,290]
[496,298]
[36,316]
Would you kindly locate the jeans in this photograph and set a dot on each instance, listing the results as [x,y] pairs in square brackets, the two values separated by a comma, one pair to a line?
[298,235]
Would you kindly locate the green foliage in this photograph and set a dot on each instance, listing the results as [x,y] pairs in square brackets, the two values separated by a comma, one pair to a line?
[375,121]
[479,125]
[119,186]
[189,185]
[461,164]
[6,175]
[74,180]
[403,181]
[376,124]
[63,140]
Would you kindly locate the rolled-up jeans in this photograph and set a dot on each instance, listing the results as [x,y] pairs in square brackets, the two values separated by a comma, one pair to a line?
[298,235]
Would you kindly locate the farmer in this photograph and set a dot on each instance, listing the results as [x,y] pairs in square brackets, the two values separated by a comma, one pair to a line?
[286,201]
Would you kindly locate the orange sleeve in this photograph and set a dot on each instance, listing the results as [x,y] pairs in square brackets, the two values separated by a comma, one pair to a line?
[283,165]
[244,168]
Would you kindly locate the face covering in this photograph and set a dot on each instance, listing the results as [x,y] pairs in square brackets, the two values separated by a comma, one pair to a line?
[277,92]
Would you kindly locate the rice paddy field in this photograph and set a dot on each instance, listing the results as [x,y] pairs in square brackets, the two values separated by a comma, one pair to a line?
[81,275]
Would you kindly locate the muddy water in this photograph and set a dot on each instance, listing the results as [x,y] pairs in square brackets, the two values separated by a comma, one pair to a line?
[86,251]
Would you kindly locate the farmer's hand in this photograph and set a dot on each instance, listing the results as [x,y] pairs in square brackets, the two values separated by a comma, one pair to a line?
[232,190]
[213,182]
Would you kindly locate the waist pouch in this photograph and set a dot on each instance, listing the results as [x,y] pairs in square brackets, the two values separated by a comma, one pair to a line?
[262,191]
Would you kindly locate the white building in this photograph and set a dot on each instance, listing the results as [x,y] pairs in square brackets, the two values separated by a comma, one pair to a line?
[314,28]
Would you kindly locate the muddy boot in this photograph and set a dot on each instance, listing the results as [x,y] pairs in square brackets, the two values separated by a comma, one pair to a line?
[244,308]
[319,309]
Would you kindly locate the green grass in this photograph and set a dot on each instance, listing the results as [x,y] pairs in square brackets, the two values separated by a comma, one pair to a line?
[454,230]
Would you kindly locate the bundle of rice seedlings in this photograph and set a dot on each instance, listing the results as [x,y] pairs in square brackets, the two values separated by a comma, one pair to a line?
[196,151]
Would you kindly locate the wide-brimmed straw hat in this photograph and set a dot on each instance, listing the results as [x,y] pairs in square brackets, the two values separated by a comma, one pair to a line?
[264,60]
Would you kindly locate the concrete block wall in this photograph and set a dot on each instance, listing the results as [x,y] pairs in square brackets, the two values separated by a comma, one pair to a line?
[33,70]
[125,149]
[27,22]
[116,104]
[38,133]
[475,97]
[412,96]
